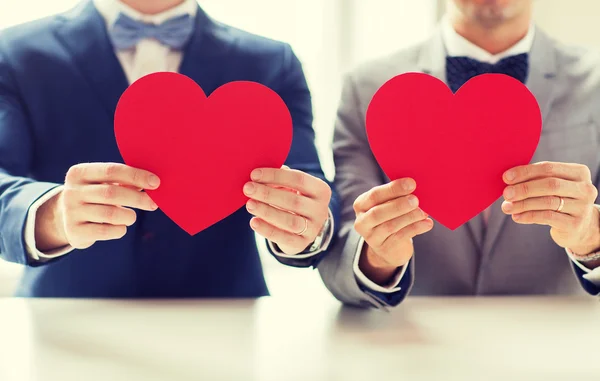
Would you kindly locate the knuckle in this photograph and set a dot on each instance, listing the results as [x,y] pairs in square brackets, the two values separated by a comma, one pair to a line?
[102,230]
[109,192]
[523,189]
[553,184]
[110,214]
[298,178]
[547,215]
[75,173]
[547,202]
[137,177]
[271,233]
[590,191]
[389,227]
[296,202]
[295,223]
[372,198]
[70,194]
[110,170]
[266,193]
[547,168]
[416,215]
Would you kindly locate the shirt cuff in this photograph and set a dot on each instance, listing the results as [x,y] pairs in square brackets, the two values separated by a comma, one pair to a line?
[30,243]
[328,236]
[590,275]
[391,288]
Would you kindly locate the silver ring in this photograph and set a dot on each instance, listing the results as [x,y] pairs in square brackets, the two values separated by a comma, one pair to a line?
[305,227]
[561,205]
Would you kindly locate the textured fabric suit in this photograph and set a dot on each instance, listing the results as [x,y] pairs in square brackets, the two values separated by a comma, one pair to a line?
[510,258]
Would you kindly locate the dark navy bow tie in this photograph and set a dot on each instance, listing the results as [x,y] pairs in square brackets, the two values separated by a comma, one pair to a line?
[461,69]
[175,32]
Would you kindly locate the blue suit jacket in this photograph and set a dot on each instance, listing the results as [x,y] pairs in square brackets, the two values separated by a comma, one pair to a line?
[60,82]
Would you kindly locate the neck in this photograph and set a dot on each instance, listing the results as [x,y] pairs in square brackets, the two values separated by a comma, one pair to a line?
[492,38]
[152,7]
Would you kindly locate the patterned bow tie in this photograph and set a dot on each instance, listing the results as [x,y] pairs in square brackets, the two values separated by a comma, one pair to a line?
[461,69]
[175,32]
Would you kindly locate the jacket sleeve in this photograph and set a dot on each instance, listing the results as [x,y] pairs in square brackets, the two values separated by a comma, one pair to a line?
[303,155]
[17,191]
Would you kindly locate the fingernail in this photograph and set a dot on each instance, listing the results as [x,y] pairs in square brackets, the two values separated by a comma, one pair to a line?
[516,217]
[256,174]
[254,223]
[408,185]
[412,201]
[251,205]
[509,193]
[510,175]
[249,188]
[154,206]
[153,181]
[507,206]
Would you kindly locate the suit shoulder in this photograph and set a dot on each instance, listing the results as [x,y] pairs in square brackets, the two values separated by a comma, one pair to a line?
[250,44]
[576,62]
[371,75]
[19,35]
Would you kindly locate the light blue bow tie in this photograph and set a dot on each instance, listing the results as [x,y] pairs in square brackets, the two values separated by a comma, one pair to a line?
[175,32]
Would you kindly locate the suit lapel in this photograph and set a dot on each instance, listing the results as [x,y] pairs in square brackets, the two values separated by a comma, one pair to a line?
[432,61]
[541,82]
[205,58]
[83,33]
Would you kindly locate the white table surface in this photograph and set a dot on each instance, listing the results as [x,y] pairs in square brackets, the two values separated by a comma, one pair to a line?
[282,339]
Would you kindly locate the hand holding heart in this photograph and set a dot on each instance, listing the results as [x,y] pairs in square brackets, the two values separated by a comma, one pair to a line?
[533,196]
[290,207]
[388,217]
[96,204]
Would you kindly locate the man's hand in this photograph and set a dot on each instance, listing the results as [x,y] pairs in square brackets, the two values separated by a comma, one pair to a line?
[289,207]
[94,205]
[559,195]
[388,217]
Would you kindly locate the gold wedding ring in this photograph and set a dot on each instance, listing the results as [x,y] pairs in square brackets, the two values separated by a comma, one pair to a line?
[561,205]
[305,227]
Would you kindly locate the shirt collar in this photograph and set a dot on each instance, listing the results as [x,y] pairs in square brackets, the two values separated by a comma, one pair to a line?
[110,10]
[458,46]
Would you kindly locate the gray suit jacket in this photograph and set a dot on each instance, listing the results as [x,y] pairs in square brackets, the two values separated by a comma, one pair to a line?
[511,259]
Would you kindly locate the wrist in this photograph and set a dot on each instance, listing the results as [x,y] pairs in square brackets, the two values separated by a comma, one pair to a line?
[49,226]
[375,267]
[590,242]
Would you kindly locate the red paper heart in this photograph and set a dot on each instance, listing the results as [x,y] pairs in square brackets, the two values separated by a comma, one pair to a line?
[455,146]
[203,149]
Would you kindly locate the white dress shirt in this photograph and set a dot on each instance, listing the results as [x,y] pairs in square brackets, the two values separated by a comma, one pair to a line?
[149,56]
[458,46]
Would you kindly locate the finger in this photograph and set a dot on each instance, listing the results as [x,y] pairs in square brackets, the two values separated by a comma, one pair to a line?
[388,211]
[293,179]
[97,173]
[106,194]
[408,232]
[567,171]
[280,198]
[550,186]
[280,219]
[276,235]
[87,234]
[382,232]
[552,203]
[384,193]
[106,214]
[556,220]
